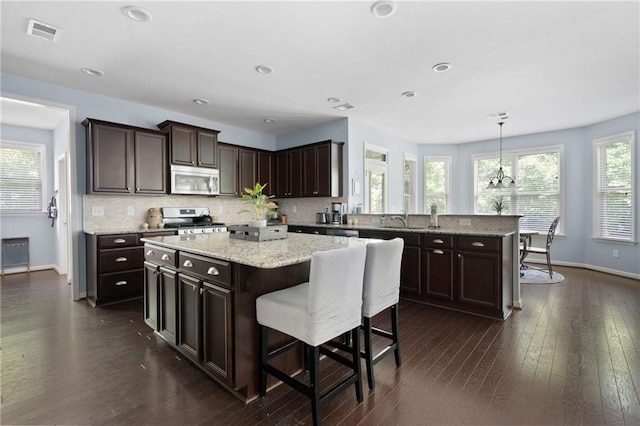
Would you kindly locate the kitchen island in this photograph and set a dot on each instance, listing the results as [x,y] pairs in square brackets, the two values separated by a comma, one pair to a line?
[200,293]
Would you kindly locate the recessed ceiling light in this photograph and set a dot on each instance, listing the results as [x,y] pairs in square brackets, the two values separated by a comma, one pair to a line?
[442,67]
[93,72]
[136,13]
[334,100]
[410,94]
[200,101]
[264,69]
[343,107]
[269,120]
[382,9]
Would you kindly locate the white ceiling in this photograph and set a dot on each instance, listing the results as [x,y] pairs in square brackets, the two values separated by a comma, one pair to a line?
[551,65]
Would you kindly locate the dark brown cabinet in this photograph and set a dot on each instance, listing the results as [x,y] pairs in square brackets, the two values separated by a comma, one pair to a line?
[191,145]
[322,170]
[265,171]
[124,159]
[238,168]
[301,229]
[437,261]
[289,173]
[160,300]
[479,272]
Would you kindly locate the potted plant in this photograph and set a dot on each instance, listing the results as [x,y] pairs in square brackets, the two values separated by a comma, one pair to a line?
[261,205]
[499,204]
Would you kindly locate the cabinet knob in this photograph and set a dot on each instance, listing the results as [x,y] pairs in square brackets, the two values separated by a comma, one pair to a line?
[165,257]
[187,264]
[119,241]
[213,271]
[128,188]
[121,259]
[121,283]
[201,290]
[459,255]
[150,253]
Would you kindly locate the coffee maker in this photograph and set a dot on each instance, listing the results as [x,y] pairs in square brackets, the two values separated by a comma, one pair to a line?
[338,213]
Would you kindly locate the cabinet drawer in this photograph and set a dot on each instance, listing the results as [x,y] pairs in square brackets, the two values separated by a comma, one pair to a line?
[120,284]
[209,269]
[437,241]
[479,243]
[160,256]
[115,260]
[116,241]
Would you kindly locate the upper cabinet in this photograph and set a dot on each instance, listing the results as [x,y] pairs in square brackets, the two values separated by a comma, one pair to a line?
[238,168]
[322,170]
[124,159]
[191,145]
[265,171]
[289,173]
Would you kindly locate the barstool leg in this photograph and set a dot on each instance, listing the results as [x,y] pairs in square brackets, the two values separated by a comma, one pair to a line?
[394,330]
[264,354]
[368,355]
[357,369]
[314,381]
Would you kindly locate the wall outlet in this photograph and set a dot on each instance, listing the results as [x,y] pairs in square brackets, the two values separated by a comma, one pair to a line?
[130,211]
[465,222]
[97,211]
[615,254]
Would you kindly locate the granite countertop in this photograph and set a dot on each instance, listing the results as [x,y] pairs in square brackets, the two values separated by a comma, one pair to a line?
[463,231]
[297,248]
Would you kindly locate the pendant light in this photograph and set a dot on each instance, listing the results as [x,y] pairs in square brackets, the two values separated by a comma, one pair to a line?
[501,180]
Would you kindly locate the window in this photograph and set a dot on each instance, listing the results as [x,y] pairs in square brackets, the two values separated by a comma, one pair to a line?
[437,183]
[375,183]
[21,177]
[613,187]
[410,201]
[537,195]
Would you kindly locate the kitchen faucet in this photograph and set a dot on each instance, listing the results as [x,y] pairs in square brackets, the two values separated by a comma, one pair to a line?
[404,220]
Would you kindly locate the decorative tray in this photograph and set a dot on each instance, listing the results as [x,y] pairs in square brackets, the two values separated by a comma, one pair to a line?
[266,233]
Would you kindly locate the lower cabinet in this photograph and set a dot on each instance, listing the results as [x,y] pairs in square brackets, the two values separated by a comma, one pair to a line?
[160,300]
[438,266]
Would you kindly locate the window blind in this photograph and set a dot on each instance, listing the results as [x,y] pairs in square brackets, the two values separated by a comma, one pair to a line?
[21,183]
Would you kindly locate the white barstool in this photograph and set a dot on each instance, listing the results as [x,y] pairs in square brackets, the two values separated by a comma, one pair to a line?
[381,291]
[324,308]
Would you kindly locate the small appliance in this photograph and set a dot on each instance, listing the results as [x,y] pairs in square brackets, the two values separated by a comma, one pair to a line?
[323,217]
[191,220]
[338,213]
[195,180]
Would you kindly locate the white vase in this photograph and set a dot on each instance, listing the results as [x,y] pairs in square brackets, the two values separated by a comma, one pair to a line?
[258,223]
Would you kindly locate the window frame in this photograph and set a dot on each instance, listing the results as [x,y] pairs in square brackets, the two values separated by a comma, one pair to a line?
[39,147]
[512,193]
[447,160]
[381,167]
[408,157]
[596,223]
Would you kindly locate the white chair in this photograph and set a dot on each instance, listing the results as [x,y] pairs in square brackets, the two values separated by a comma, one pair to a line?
[546,250]
[324,308]
[381,291]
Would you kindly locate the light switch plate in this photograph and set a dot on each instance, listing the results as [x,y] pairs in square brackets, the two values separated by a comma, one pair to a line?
[465,222]
[97,211]
[130,211]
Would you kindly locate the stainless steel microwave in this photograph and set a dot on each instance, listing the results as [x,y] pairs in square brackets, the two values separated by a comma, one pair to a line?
[195,180]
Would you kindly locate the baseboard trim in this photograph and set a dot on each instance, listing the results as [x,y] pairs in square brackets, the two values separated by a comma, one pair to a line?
[587,266]
[21,269]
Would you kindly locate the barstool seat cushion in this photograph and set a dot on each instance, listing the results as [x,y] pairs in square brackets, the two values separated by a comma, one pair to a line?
[383,268]
[323,308]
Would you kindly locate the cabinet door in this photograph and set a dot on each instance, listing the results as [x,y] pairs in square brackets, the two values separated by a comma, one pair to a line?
[309,172]
[282,176]
[189,316]
[295,173]
[112,159]
[410,270]
[246,169]
[479,279]
[168,303]
[216,326]
[150,163]
[228,169]
[151,295]
[265,172]
[207,149]
[324,171]
[183,146]
[437,273]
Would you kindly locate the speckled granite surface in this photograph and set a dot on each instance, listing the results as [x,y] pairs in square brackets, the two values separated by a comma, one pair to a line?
[450,231]
[297,248]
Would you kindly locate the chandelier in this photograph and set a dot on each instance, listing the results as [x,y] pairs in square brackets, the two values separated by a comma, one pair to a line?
[501,180]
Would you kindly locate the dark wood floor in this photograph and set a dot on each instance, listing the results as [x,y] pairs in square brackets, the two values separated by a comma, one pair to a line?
[572,356]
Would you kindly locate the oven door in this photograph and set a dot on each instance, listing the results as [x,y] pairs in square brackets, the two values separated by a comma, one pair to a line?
[195,180]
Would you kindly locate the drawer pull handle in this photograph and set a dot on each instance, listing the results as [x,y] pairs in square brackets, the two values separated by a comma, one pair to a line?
[119,241]
[165,257]
[150,253]
[201,290]
[477,244]
[187,264]
[121,259]
[121,283]
[438,241]
[436,251]
[213,271]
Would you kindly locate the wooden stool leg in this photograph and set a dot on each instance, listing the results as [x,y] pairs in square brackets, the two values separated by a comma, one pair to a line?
[314,382]
[264,353]
[368,355]
[394,330]
[357,368]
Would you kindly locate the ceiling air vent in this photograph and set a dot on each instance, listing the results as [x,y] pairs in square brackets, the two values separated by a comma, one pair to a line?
[343,107]
[42,30]
[500,115]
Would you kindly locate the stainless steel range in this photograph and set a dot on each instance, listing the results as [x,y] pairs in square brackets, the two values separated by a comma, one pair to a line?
[191,220]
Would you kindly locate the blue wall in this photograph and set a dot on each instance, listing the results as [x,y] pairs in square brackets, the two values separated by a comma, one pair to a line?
[35,226]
